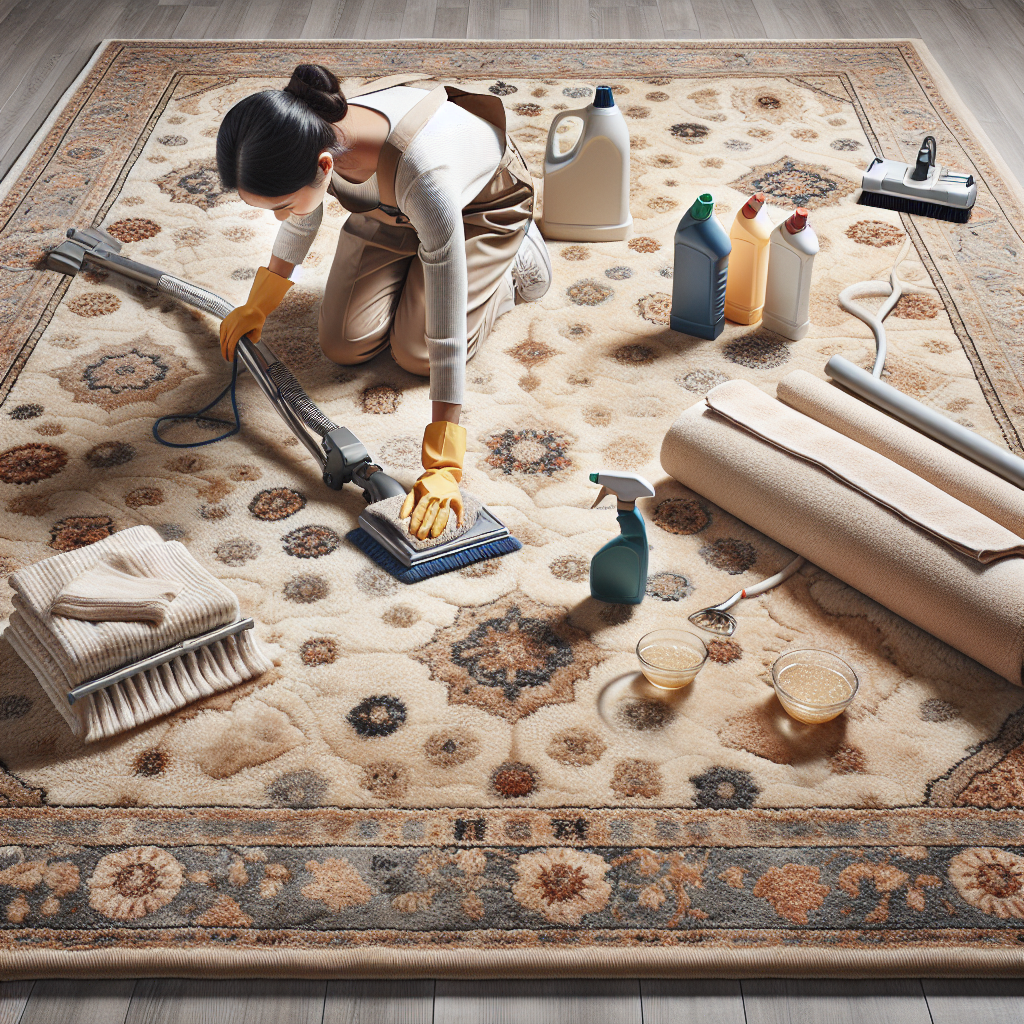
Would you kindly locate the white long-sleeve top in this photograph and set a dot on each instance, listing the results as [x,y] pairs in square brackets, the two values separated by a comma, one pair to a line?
[445,167]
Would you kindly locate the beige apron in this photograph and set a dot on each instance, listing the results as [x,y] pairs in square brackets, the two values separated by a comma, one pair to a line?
[375,291]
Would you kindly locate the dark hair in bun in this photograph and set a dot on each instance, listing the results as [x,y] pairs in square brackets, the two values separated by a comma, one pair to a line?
[269,143]
[317,87]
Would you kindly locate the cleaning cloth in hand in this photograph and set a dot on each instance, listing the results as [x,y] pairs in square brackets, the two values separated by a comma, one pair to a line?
[110,592]
[388,511]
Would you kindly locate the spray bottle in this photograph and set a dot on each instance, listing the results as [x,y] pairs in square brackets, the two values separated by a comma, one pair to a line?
[788,295]
[748,262]
[701,267]
[618,572]
[586,189]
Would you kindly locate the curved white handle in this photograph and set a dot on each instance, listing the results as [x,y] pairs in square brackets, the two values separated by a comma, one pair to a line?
[550,156]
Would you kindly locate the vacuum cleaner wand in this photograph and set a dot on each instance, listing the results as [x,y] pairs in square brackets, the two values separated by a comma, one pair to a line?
[342,457]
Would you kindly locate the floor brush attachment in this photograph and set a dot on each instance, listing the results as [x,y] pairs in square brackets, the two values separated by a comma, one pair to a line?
[389,547]
[883,201]
[926,189]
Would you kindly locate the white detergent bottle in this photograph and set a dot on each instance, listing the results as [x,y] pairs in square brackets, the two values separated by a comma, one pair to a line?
[748,262]
[790,263]
[586,188]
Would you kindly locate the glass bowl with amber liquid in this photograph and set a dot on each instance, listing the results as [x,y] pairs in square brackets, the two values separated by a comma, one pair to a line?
[814,686]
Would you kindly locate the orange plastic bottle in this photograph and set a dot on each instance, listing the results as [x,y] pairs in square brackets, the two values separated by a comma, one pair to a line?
[748,264]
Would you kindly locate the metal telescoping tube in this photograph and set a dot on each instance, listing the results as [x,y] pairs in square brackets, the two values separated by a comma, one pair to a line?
[934,424]
[124,266]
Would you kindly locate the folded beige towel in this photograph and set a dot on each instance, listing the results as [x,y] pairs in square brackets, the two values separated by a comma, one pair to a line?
[972,484]
[65,652]
[977,608]
[109,593]
[916,500]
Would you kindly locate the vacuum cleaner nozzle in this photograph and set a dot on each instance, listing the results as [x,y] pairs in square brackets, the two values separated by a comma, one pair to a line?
[927,188]
[389,547]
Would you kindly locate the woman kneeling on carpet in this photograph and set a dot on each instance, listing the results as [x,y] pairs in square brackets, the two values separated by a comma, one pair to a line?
[439,242]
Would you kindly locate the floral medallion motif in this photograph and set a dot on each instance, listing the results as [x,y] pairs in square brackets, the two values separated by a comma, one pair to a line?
[132,883]
[380,399]
[875,233]
[634,355]
[530,451]
[197,184]
[449,748]
[118,376]
[682,516]
[644,243]
[306,588]
[134,229]
[577,746]
[636,778]
[562,885]
[276,503]
[730,555]
[571,568]
[655,307]
[28,411]
[991,880]
[510,657]
[796,183]
[94,304]
[513,779]
[700,382]
[29,463]
[690,132]
[531,353]
[313,541]
[669,586]
[236,551]
[377,716]
[724,788]
[589,292]
[774,101]
[297,789]
[760,351]
[79,531]
[320,650]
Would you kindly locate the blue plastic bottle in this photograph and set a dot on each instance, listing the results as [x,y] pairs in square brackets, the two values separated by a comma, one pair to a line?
[618,572]
[701,269]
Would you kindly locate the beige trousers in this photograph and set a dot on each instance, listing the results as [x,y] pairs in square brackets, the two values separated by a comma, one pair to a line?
[375,294]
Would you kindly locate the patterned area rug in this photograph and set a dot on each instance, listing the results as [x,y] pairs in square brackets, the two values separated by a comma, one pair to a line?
[466,776]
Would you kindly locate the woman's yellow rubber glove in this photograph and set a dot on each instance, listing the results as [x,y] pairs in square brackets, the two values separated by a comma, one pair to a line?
[437,490]
[265,296]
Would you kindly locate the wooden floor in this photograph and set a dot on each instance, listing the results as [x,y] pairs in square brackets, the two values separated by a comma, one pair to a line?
[174,1001]
[979,43]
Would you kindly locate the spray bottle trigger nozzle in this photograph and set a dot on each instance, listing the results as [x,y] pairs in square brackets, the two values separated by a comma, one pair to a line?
[604,494]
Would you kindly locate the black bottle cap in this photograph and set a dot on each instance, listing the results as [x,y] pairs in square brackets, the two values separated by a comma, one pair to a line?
[603,97]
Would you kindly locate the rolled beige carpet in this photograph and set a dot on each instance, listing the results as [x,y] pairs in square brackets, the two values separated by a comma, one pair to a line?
[975,607]
[972,484]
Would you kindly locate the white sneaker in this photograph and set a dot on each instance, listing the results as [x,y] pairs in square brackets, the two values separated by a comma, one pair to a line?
[531,270]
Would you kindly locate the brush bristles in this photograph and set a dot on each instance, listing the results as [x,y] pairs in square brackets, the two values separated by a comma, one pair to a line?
[884,201]
[436,566]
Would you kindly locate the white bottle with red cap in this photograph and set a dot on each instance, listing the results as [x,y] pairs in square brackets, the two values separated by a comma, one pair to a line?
[787,298]
[748,262]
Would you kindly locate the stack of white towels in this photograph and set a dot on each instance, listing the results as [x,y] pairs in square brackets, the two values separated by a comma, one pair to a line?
[82,614]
